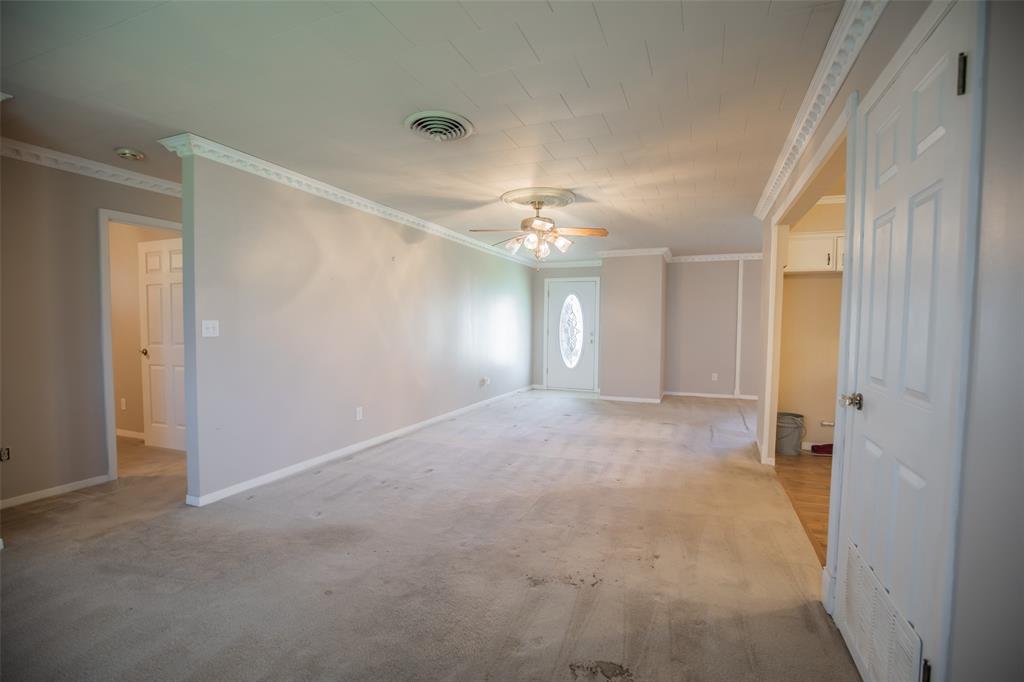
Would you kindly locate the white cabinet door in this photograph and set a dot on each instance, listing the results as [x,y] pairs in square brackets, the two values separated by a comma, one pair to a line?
[840,252]
[811,252]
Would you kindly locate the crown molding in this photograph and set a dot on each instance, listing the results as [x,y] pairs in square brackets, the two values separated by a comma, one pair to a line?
[832,199]
[41,156]
[854,25]
[549,265]
[662,251]
[715,257]
[187,144]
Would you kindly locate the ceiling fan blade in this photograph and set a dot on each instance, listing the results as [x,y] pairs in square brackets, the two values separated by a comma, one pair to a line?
[503,241]
[583,231]
[495,229]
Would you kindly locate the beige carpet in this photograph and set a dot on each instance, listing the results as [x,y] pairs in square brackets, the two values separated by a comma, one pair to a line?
[539,538]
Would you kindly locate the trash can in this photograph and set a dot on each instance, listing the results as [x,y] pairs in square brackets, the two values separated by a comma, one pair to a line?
[789,431]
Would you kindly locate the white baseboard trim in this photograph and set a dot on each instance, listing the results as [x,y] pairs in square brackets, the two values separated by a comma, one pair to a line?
[627,399]
[686,394]
[828,590]
[209,498]
[125,433]
[537,387]
[51,492]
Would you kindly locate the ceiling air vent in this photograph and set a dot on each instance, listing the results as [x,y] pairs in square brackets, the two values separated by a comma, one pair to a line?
[442,126]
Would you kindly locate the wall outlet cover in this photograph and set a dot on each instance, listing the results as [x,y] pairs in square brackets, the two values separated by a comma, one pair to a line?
[211,328]
[714,376]
[359,413]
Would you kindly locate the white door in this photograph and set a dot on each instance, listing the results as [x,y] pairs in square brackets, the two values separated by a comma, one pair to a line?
[570,356]
[163,343]
[911,236]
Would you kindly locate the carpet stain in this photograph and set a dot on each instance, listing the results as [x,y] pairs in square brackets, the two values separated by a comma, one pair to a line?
[600,670]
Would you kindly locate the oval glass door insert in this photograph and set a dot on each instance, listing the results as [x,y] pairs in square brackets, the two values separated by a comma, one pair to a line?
[570,331]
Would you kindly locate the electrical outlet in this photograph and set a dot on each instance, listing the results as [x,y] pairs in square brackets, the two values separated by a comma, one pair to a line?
[210,328]
[124,404]
[359,413]
[485,381]
[714,376]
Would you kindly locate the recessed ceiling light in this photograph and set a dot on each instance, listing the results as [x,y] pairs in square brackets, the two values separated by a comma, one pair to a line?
[129,153]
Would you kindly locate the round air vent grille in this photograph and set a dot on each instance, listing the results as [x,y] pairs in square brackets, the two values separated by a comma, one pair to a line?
[442,126]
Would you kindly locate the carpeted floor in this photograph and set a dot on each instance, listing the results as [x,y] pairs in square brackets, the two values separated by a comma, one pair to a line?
[541,537]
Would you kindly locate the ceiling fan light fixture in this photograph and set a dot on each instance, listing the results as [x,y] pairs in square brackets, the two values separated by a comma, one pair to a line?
[543,251]
[513,245]
[538,223]
[562,244]
[531,240]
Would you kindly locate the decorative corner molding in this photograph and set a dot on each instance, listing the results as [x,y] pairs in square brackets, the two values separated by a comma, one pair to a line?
[832,199]
[41,156]
[715,257]
[187,144]
[549,265]
[854,25]
[662,251]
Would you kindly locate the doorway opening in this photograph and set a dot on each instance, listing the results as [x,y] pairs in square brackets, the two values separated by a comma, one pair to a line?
[809,347]
[143,332]
[571,331]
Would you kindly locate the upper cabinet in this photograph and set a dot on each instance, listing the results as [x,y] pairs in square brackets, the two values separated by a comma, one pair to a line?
[840,252]
[812,252]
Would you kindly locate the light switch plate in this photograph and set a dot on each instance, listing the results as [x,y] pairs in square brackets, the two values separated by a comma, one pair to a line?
[714,376]
[359,413]
[211,328]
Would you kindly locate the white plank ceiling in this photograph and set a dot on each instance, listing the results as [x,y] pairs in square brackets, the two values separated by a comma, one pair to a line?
[664,117]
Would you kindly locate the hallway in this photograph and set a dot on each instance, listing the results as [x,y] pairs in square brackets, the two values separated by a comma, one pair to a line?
[539,537]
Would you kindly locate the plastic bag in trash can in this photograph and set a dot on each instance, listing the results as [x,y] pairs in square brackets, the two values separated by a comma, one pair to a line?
[789,431]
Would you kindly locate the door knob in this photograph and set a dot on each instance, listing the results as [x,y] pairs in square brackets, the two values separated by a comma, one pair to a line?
[144,351]
[852,400]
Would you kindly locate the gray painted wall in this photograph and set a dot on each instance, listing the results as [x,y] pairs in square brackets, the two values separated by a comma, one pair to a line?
[324,308]
[701,327]
[537,364]
[632,319]
[988,597]
[52,385]
[751,352]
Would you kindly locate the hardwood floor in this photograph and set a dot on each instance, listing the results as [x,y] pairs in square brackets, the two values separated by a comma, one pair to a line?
[806,479]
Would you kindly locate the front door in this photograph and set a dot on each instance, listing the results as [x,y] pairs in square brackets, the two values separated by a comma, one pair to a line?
[162,334]
[900,486]
[571,344]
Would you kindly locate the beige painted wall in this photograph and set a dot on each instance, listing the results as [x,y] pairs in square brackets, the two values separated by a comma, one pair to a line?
[822,218]
[701,325]
[810,349]
[632,321]
[537,362]
[52,383]
[322,309]
[124,319]
[988,599]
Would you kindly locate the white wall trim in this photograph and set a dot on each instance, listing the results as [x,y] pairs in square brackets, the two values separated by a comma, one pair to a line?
[832,199]
[727,396]
[51,492]
[284,472]
[662,251]
[106,217]
[187,144]
[628,399]
[854,25]
[716,257]
[41,156]
[125,433]
[569,264]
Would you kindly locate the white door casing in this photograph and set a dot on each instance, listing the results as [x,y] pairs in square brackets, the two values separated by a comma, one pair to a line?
[162,334]
[570,359]
[912,254]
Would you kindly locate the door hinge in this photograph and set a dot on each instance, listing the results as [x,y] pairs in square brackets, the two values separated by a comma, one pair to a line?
[961,74]
[926,671]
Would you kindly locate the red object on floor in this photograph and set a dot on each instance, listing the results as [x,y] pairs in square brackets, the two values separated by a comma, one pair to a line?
[824,449]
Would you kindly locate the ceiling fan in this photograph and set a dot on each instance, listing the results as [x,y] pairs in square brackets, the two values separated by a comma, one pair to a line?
[538,233]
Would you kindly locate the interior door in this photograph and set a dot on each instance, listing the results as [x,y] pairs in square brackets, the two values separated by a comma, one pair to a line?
[900,483]
[162,334]
[571,344]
